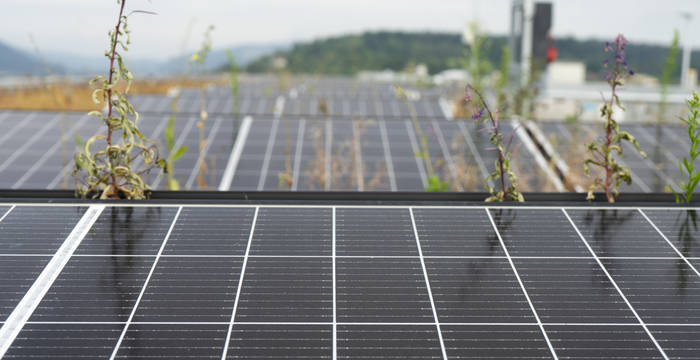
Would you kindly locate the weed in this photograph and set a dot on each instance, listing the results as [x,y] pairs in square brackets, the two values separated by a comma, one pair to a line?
[198,64]
[602,153]
[107,173]
[435,184]
[502,172]
[666,77]
[173,154]
[690,177]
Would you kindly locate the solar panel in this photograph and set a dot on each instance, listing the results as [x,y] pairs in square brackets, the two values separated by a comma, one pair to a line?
[341,281]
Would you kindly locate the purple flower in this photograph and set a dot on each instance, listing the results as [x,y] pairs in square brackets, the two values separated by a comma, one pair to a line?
[607,46]
[605,63]
[631,72]
[478,114]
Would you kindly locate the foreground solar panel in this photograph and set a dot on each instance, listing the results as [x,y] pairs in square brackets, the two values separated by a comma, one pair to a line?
[348,282]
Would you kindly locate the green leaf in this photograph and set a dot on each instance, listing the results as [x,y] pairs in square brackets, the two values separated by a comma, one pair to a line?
[178,154]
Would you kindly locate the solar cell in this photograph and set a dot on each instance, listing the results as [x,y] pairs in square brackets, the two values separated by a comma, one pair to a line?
[64,341]
[374,232]
[173,341]
[589,342]
[210,231]
[664,291]
[184,289]
[128,231]
[494,342]
[452,232]
[572,291]
[371,290]
[679,342]
[286,290]
[538,233]
[477,291]
[620,232]
[280,341]
[292,232]
[680,227]
[95,289]
[388,342]
[18,273]
[36,229]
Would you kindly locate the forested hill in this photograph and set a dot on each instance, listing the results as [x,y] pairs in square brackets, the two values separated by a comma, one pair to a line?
[346,55]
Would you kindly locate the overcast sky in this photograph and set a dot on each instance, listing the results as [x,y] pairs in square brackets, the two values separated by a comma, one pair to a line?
[80,26]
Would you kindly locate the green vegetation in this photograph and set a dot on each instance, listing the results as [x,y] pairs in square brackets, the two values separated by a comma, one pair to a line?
[107,173]
[435,184]
[690,177]
[475,60]
[670,67]
[348,54]
[502,172]
[602,152]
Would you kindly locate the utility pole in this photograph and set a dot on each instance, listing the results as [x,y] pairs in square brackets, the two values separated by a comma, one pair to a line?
[526,47]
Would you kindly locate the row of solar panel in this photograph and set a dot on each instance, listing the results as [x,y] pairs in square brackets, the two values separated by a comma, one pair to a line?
[36,149]
[364,155]
[307,282]
[372,155]
[314,106]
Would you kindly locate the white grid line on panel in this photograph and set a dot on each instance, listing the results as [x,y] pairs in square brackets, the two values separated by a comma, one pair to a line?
[31,299]
[203,154]
[268,153]
[335,318]
[8,213]
[614,283]
[387,155]
[296,323]
[54,148]
[235,156]
[416,150]
[522,286]
[240,285]
[446,153]
[669,242]
[297,154]
[427,285]
[145,285]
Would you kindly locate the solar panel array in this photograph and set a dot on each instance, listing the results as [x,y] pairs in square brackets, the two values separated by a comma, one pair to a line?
[342,282]
[325,134]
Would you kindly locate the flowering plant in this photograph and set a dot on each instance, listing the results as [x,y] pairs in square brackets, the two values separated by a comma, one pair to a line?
[602,152]
[502,169]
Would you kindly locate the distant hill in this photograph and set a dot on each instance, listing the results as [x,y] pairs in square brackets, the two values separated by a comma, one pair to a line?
[147,67]
[349,54]
[17,62]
